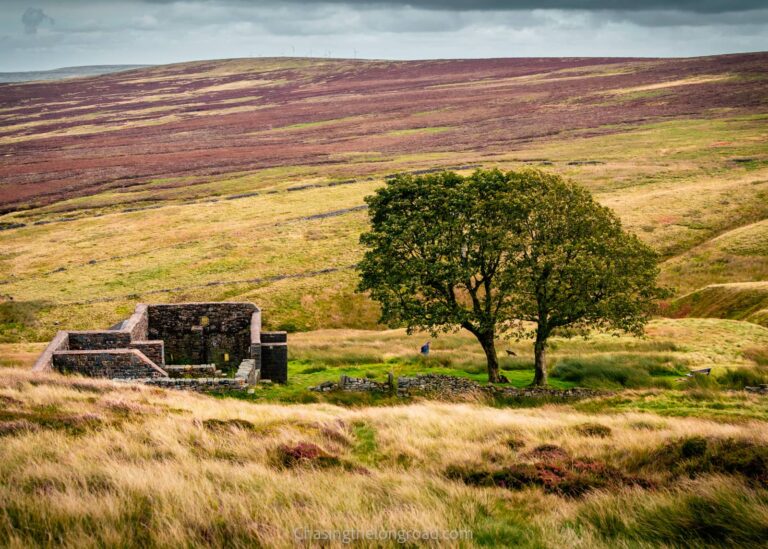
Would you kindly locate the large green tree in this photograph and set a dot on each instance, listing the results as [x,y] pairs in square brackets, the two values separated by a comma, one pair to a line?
[518,254]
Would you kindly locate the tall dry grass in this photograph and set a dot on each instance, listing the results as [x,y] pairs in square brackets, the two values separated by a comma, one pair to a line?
[94,463]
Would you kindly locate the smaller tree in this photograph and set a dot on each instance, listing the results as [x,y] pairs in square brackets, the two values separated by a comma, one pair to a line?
[575,268]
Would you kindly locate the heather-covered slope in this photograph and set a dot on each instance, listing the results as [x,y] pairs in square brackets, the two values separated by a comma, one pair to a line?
[245,179]
[74,138]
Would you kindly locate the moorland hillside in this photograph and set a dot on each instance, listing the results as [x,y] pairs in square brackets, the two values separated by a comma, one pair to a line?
[245,179]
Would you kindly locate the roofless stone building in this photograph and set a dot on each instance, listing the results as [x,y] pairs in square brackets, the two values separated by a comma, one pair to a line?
[197,346]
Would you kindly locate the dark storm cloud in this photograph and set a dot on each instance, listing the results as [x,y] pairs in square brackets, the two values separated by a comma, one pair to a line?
[691,6]
[32,18]
[165,31]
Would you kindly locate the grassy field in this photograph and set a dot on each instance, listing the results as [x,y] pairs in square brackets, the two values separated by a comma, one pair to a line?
[670,349]
[245,180]
[93,463]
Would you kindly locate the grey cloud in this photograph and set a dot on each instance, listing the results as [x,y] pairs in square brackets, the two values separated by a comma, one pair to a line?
[690,6]
[33,18]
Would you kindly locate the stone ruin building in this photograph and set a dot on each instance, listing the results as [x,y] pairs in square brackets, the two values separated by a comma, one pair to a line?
[196,346]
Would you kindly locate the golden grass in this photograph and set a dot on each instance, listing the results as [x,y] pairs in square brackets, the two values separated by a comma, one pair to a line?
[147,466]
[740,255]
[702,342]
[691,81]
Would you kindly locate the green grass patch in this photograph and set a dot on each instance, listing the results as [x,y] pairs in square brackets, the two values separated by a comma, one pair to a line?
[619,370]
[366,449]
[707,404]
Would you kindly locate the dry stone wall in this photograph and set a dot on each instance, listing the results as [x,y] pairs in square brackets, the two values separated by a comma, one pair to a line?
[200,384]
[96,340]
[203,333]
[115,363]
[445,386]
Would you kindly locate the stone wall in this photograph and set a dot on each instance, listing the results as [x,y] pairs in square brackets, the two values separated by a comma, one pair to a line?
[191,370]
[98,340]
[199,384]
[138,323]
[153,350]
[446,387]
[248,371]
[44,362]
[115,363]
[203,333]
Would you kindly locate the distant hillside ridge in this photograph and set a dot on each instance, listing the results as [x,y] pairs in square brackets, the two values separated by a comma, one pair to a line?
[65,72]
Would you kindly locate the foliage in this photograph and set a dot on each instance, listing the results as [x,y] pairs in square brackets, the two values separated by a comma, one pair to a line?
[493,250]
[738,378]
[615,371]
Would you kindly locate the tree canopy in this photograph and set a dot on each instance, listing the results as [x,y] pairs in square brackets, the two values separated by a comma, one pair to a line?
[518,253]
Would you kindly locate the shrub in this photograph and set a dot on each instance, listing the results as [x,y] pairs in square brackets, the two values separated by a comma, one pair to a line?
[512,364]
[617,371]
[739,378]
[573,479]
[289,326]
[757,354]
[230,425]
[314,369]
[702,384]
[593,430]
[514,443]
[305,453]
[694,456]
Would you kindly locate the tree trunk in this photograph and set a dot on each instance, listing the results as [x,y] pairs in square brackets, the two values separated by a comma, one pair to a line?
[486,341]
[540,361]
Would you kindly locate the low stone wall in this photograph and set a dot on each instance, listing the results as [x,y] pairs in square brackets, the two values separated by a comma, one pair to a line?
[760,390]
[198,384]
[248,371]
[138,323]
[116,363]
[44,362]
[191,370]
[445,386]
[574,393]
[362,384]
[437,383]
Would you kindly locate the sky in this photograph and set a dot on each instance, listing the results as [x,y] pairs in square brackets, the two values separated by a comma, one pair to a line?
[47,34]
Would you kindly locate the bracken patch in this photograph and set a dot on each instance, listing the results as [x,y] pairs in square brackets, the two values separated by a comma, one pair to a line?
[593,430]
[571,480]
[305,454]
[697,455]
